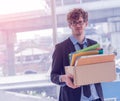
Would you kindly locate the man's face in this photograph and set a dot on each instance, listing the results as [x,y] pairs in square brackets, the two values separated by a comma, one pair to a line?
[78,27]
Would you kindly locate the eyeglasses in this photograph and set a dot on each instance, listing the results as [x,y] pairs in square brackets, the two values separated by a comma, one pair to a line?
[77,22]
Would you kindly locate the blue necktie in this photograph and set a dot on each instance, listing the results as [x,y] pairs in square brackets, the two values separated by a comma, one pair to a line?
[86,88]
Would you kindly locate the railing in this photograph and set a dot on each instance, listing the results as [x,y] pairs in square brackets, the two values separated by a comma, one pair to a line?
[7,96]
[32,84]
[111,99]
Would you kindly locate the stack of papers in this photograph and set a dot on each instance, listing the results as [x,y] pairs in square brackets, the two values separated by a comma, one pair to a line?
[86,60]
[91,50]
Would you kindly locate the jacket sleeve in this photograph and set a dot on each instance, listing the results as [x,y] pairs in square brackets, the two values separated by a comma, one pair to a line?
[57,65]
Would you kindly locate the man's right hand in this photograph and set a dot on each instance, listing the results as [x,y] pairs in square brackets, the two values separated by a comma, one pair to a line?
[68,79]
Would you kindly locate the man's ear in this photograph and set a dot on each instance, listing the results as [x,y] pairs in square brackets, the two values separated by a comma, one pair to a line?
[69,25]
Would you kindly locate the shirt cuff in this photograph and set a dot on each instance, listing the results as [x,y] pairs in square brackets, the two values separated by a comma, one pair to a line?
[60,79]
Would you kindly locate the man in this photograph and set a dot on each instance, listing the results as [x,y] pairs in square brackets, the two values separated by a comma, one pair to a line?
[78,21]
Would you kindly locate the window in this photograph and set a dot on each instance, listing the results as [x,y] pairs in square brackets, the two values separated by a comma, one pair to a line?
[28,58]
[36,57]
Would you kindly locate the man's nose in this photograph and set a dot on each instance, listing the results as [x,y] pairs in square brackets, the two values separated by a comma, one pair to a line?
[78,25]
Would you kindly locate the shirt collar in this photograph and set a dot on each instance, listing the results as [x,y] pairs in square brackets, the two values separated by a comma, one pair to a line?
[74,41]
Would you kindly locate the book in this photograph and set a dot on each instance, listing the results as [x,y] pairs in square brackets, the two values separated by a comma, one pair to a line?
[76,55]
[93,59]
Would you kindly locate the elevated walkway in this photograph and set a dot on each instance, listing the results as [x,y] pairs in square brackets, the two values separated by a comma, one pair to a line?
[99,11]
[90,6]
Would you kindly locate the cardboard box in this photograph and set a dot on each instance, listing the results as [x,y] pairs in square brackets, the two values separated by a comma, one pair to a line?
[92,73]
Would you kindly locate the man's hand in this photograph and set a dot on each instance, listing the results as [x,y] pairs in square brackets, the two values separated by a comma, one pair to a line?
[68,79]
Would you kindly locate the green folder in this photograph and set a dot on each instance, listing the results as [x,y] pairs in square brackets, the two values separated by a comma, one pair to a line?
[93,47]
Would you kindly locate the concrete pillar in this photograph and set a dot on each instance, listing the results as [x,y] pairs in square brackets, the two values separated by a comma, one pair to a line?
[9,43]
[54,21]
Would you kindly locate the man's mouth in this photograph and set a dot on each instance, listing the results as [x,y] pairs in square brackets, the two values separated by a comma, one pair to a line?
[78,29]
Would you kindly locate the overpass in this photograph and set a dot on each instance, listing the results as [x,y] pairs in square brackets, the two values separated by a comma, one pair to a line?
[99,11]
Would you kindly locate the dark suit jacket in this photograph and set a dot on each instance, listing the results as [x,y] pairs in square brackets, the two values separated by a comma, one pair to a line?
[60,60]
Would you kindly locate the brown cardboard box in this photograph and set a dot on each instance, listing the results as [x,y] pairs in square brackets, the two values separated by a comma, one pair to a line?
[92,73]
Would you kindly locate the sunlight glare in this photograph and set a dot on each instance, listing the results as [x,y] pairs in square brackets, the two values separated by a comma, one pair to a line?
[13,6]
[34,34]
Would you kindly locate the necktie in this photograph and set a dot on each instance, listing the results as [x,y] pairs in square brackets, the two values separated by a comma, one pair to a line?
[86,88]
[80,45]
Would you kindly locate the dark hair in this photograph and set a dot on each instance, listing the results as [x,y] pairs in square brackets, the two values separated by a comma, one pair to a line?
[74,15]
